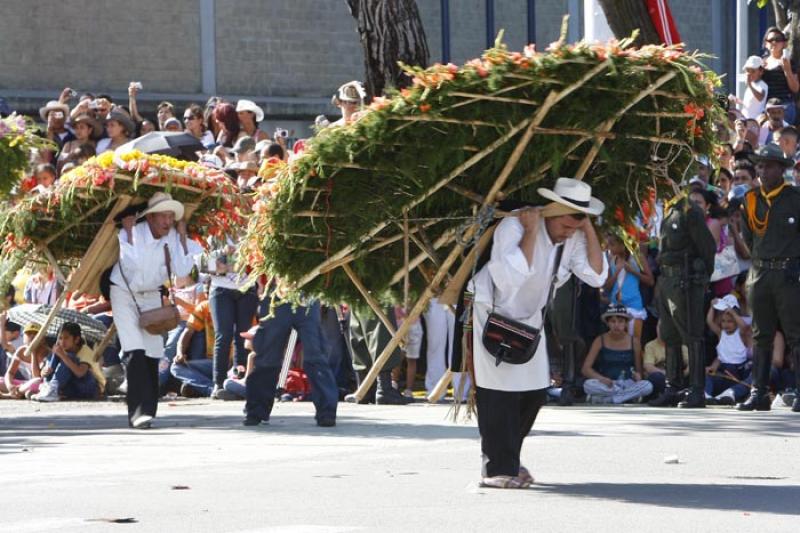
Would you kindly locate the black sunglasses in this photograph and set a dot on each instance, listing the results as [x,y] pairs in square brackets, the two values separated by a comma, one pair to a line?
[776,40]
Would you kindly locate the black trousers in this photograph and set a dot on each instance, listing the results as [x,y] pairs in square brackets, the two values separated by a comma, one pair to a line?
[142,374]
[504,420]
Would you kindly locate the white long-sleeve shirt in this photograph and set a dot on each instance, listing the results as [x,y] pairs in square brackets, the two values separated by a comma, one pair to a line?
[520,293]
[143,259]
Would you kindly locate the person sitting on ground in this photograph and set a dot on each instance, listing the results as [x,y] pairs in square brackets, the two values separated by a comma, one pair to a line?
[624,278]
[654,362]
[613,366]
[23,375]
[65,373]
[193,364]
[236,384]
[735,341]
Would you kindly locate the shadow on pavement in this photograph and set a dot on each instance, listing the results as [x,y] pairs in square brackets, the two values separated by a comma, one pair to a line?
[744,498]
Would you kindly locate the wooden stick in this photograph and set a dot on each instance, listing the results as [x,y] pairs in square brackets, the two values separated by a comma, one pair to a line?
[608,124]
[53,263]
[103,344]
[489,98]
[443,240]
[427,118]
[43,332]
[68,227]
[441,387]
[552,99]
[406,254]
[373,304]
[452,292]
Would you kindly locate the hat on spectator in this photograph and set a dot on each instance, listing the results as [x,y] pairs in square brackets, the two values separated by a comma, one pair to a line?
[703,160]
[32,327]
[773,103]
[728,301]
[771,152]
[124,120]
[244,144]
[162,202]
[211,160]
[616,310]
[250,333]
[53,105]
[574,194]
[753,62]
[97,128]
[249,105]
[350,92]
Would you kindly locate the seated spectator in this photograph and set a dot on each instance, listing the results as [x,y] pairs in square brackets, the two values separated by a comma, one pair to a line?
[624,279]
[654,362]
[735,342]
[23,375]
[120,128]
[193,363]
[613,366]
[43,288]
[236,384]
[65,373]
[11,339]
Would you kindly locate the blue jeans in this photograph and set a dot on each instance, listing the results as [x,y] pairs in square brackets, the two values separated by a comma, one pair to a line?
[232,312]
[70,385]
[170,349]
[270,346]
[715,385]
[236,386]
[196,373]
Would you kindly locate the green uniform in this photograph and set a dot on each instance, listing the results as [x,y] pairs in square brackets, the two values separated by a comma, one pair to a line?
[686,258]
[774,280]
[563,320]
[686,242]
[772,233]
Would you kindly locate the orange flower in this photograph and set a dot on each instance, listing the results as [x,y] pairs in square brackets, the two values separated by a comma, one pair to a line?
[424,108]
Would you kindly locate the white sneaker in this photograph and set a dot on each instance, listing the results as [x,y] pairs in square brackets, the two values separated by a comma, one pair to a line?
[142,422]
[48,392]
[408,393]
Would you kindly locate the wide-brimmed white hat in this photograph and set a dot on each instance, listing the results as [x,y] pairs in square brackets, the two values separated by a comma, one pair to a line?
[249,105]
[162,202]
[53,105]
[574,194]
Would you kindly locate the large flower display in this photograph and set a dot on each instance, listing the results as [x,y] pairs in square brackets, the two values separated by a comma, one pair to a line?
[393,191]
[19,136]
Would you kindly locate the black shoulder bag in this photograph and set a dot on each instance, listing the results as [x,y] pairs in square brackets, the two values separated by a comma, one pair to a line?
[513,342]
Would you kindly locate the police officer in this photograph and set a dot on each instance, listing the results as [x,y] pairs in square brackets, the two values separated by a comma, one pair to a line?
[772,231]
[686,259]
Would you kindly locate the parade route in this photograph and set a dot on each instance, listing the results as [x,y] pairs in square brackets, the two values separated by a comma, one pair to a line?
[77,467]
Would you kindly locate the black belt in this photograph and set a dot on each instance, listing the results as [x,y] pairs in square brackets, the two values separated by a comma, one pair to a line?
[778,263]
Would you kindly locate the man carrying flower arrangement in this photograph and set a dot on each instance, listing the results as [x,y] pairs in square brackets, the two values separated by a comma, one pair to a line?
[145,247]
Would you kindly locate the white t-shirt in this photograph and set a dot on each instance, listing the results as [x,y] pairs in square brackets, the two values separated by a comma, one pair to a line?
[751,107]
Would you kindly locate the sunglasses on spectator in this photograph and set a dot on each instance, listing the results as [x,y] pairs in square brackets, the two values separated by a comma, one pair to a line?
[776,40]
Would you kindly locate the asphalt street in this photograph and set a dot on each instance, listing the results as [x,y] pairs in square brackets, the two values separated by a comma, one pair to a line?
[77,467]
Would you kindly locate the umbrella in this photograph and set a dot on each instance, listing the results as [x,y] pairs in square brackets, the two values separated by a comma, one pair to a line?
[93,330]
[172,143]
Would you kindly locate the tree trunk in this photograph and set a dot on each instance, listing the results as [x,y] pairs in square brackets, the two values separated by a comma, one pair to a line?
[390,31]
[624,16]
[792,25]
[779,10]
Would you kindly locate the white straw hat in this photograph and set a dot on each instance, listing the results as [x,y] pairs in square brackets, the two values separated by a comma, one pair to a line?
[574,194]
[162,202]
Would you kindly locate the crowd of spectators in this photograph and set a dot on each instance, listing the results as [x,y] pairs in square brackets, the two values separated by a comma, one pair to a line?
[210,352]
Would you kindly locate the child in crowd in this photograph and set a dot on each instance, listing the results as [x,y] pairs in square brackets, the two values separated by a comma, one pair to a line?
[654,362]
[624,279]
[23,375]
[236,384]
[65,372]
[755,95]
[613,366]
[734,347]
[45,178]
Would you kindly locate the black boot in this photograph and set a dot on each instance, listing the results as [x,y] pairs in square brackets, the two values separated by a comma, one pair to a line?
[696,398]
[674,370]
[388,395]
[567,396]
[759,396]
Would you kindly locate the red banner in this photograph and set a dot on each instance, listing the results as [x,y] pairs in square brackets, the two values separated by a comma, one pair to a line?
[663,21]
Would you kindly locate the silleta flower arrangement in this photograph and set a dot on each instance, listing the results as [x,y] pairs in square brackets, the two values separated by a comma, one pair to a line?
[19,137]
